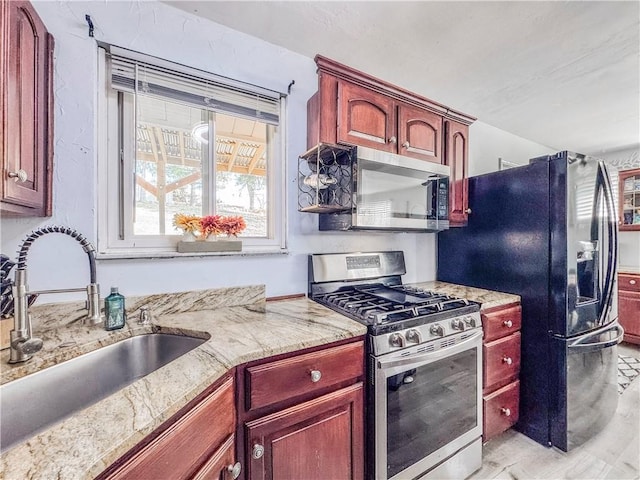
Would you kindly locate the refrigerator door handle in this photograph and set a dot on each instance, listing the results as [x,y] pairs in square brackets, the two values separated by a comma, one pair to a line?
[578,346]
[612,230]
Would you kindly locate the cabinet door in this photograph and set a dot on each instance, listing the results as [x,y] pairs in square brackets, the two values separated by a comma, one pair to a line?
[629,315]
[27,146]
[316,440]
[221,463]
[366,118]
[456,153]
[419,133]
[629,202]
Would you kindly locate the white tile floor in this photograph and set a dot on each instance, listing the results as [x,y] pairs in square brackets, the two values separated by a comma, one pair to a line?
[614,454]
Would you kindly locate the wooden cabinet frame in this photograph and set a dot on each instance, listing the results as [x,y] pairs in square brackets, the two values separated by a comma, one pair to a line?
[26,90]
[629,306]
[632,196]
[354,108]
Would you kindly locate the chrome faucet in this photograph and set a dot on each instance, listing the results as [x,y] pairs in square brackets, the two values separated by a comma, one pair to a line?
[23,344]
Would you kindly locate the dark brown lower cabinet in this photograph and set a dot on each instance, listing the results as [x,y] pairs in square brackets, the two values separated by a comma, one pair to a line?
[629,306]
[301,418]
[198,442]
[316,440]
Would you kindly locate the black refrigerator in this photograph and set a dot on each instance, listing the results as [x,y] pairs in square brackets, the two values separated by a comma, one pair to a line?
[547,231]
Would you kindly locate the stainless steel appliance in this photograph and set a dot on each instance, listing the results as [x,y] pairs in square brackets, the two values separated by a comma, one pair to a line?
[424,408]
[548,232]
[359,188]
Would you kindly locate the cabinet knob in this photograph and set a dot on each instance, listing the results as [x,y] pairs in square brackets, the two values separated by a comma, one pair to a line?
[316,375]
[406,144]
[393,140]
[632,282]
[507,323]
[507,360]
[468,211]
[235,470]
[258,451]
[505,411]
[19,176]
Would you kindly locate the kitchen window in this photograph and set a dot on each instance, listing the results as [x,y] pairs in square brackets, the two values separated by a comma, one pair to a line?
[180,140]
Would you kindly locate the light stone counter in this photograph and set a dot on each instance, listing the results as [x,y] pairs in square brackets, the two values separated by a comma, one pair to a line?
[83,445]
[488,299]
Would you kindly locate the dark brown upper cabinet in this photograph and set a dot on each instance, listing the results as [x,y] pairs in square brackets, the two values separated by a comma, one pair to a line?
[354,108]
[26,60]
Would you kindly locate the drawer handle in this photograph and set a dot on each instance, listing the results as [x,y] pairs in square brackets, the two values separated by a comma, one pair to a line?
[406,144]
[632,282]
[393,140]
[258,451]
[235,470]
[19,176]
[316,375]
[507,323]
[506,411]
[507,360]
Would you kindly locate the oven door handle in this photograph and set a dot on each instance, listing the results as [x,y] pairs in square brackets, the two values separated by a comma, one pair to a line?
[422,357]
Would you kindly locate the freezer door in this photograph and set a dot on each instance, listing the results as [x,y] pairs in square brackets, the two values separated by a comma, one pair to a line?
[586,393]
[584,255]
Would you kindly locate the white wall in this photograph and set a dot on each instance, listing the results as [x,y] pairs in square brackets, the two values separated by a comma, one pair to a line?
[157,29]
[487,144]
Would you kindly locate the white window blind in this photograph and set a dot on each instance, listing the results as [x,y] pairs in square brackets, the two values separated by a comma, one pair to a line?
[156,77]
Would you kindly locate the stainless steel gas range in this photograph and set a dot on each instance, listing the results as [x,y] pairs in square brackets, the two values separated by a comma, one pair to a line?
[424,385]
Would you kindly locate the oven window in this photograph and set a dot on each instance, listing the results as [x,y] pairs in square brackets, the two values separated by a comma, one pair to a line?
[429,407]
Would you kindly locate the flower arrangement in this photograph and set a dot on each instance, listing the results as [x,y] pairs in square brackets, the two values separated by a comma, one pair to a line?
[210,224]
[187,223]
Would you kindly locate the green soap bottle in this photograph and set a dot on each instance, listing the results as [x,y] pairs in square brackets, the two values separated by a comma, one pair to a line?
[114,313]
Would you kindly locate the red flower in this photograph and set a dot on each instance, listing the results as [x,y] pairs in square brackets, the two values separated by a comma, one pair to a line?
[212,225]
[233,225]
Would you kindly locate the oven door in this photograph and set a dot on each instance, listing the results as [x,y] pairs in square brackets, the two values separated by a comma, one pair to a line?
[428,406]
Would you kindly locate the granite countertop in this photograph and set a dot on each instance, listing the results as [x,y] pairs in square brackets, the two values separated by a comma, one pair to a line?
[487,299]
[84,444]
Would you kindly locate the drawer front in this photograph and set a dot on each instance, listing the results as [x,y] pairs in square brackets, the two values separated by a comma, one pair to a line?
[283,379]
[501,360]
[501,323]
[629,283]
[500,410]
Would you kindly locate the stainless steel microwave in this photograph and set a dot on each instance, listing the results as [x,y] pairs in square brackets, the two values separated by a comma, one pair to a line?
[392,192]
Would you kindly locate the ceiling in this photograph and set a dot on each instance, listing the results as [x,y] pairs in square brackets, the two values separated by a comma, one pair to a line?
[563,74]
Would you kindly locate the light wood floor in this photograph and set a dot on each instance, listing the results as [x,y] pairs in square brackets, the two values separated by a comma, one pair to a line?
[614,454]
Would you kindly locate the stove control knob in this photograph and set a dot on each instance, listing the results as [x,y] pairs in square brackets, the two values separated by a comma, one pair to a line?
[413,336]
[396,340]
[458,324]
[437,330]
[470,321]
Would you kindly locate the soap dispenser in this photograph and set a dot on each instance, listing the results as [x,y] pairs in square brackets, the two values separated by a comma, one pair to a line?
[114,312]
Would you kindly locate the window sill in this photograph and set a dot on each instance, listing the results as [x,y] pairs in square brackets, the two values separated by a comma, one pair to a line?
[161,254]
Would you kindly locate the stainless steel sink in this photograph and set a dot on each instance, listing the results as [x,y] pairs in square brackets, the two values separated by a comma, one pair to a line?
[33,403]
